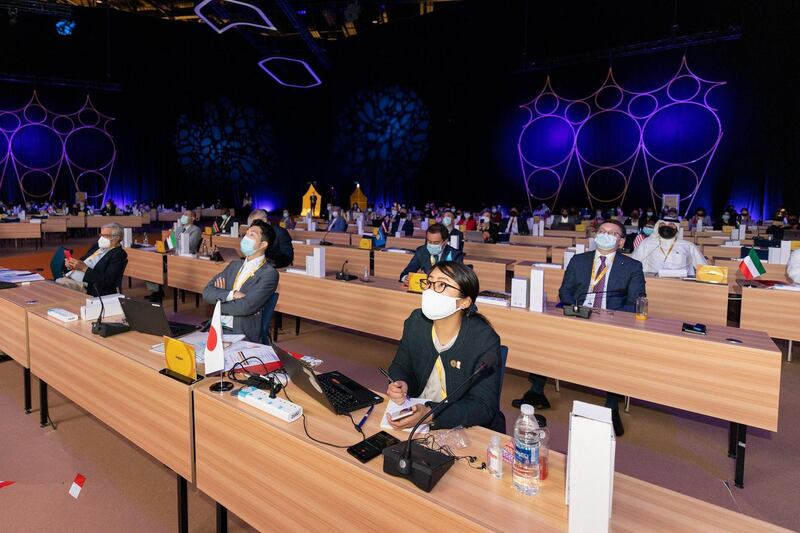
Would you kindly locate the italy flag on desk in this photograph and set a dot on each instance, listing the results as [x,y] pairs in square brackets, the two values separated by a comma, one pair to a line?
[751,266]
[171,241]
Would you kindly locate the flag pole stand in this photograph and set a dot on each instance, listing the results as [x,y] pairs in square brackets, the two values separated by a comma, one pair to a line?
[221,385]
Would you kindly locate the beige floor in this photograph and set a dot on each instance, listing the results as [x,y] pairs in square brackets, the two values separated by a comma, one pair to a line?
[126,490]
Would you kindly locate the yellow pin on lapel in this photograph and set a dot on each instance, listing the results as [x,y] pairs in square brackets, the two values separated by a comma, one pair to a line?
[455,364]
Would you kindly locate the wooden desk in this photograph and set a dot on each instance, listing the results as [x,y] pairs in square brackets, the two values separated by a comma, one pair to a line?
[529,240]
[507,251]
[145,265]
[336,238]
[230,437]
[720,240]
[54,225]
[126,221]
[773,311]
[169,216]
[225,241]
[774,272]
[389,265]
[667,298]
[76,221]
[491,272]
[732,252]
[357,259]
[565,233]
[190,274]
[406,243]
[20,230]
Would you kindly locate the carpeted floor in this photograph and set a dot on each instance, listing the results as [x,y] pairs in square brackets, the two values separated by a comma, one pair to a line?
[126,490]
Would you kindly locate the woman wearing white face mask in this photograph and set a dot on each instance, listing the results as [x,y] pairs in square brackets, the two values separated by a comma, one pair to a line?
[100,270]
[443,344]
[490,229]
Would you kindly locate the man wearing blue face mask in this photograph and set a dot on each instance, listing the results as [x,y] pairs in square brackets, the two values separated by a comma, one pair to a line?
[245,285]
[448,221]
[435,251]
[188,230]
[602,279]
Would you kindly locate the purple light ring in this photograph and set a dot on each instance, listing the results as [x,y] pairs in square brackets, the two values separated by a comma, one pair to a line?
[25,114]
[13,114]
[575,122]
[110,139]
[62,117]
[86,124]
[713,147]
[8,147]
[638,146]
[694,174]
[559,180]
[14,157]
[269,25]
[104,178]
[308,68]
[615,106]
[626,180]
[21,179]
[538,99]
[572,150]
[643,117]
[673,80]
[705,96]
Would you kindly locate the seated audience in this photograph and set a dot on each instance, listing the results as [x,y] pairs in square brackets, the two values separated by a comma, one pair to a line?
[245,285]
[286,220]
[664,250]
[513,225]
[448,221]
[224,222]
[338,224]
[470,224]
[613,281]
[435,250]
[403,223]
[109,209]
[488,228]
[188,230]
[100,270]
[280,252]
[700,215]
[442,345]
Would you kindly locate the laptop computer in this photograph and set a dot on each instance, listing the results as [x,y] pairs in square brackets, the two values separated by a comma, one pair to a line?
[791,235]
[473,236]
[148,317]
[333,389]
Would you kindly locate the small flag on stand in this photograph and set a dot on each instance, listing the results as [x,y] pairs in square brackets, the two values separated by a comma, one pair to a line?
[77,486]
[214,355]
[751,266]
[171,241]
[215,227]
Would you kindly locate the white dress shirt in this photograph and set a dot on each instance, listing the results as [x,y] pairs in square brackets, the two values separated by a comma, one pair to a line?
[793,268]
[246,272]
[90,262]
[589,302]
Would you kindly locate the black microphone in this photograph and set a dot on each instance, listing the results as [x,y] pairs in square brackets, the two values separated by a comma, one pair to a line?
[585,312]
[424,466]
[342,276]
[323,242]
[106,330]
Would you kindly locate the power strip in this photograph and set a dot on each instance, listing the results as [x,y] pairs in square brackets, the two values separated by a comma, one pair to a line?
[277,407]
[62,314]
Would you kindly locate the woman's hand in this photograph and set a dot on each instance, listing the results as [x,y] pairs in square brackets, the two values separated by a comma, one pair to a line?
[410,421]
[397,391]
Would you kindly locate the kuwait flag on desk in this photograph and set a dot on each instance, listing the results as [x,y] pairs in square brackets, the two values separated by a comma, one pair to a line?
[171,241]
[751,266]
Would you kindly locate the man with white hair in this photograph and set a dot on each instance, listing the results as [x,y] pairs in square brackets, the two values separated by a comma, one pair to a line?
[663,250]
[100,270]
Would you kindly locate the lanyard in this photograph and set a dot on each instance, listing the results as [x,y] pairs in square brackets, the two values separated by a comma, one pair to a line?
[666,255]
[598,276]
[439,366]
[236,285]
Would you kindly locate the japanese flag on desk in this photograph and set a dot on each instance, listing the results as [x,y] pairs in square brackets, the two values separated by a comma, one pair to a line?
[214,354]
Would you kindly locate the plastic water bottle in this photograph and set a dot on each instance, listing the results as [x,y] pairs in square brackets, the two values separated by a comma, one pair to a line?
[525,470]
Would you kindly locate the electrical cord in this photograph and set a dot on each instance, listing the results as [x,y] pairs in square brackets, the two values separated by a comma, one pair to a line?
[429,441]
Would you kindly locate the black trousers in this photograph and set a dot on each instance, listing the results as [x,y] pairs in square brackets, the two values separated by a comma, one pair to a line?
[538,382]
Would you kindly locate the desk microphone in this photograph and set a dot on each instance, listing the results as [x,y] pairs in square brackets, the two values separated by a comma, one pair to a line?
[424,466]
[585,312]
[323,242]
[106,330]
[342,276]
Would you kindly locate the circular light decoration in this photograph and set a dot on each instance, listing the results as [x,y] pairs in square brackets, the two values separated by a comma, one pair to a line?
[226,142]
[672,129]
[382,139]
[35,145]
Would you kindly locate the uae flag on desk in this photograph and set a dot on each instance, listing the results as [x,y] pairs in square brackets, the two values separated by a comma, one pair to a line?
[171,241]
[751,266]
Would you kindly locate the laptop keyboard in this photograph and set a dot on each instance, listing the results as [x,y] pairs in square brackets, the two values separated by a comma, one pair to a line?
[341,400]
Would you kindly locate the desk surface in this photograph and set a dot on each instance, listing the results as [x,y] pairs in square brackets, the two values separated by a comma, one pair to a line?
[14,304]
[116,380]
[231,437]
[145,265]
[773,311]
[652,360]
[191,274]
[20,230]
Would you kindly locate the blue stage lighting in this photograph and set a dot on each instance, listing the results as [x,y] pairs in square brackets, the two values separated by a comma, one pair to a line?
[65,27]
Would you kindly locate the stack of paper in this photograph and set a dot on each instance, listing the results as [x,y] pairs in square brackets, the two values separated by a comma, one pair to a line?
[19,276]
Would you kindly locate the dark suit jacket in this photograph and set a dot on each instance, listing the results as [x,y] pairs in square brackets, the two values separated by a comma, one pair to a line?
[106,276]
[280,252]
[246,312]
[338,225]
[422,259]
[224,225]
[407,229]
[627,279]
[478,405]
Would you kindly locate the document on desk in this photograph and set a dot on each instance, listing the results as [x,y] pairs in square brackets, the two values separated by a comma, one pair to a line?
[795,288]
[198,340]
[19,276]
[392,408]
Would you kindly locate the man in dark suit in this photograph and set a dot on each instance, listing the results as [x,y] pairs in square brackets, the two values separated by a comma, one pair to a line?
[435,251]
[100,270]
[224,222]
[245,285]
[603,279]
[280,252]
[403,223]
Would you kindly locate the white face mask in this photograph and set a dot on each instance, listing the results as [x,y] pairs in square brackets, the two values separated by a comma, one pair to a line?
[103,242]
[436,305]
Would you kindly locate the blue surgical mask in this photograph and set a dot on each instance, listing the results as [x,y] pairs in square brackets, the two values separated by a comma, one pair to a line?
[647,231]
[247,246]
[184,220]
[605,241]
[447,221]
[434,249]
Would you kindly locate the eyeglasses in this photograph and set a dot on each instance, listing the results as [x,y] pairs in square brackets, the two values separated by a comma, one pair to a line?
[614,233]
[437,285]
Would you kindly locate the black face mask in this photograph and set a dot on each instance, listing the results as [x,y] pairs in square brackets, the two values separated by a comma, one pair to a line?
[667,232]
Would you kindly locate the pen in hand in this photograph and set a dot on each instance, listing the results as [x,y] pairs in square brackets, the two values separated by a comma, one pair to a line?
[391,381]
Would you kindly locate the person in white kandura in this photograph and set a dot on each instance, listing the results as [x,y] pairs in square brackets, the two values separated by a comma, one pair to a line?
[663,250]
[793,268]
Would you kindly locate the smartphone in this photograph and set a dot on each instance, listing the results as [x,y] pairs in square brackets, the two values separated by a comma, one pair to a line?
[696,329]
[403,413]
[372,447]
[67,254]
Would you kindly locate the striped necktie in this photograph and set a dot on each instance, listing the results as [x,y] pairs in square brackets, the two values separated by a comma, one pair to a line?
[599,283]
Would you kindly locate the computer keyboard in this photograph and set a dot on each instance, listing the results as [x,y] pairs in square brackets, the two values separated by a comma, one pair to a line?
[341,400]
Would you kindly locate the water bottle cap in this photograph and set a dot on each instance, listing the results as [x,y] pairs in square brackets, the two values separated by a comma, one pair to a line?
[526,409]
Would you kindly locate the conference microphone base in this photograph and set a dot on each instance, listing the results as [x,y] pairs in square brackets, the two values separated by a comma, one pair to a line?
[109,329]
[325,243]
[580,312]
[345,277]
[426,466]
